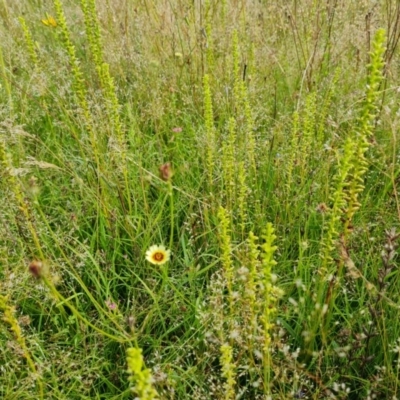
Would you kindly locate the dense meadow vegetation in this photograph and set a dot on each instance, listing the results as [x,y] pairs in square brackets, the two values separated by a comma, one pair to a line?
[199,199]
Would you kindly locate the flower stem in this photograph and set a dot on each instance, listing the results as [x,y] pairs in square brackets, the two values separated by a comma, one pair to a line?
[171,204]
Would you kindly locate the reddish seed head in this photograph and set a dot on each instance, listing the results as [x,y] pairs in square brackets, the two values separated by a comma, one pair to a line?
[35,268]
[166,172]
[322,208]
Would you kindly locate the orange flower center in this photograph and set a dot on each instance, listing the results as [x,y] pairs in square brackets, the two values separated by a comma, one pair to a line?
[158,256]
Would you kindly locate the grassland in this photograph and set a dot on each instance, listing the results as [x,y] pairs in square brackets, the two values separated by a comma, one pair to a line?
[199,199]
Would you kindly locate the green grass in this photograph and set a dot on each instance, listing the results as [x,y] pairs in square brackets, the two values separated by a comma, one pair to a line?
[280,123]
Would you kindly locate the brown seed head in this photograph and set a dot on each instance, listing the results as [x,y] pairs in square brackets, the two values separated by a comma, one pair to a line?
[166,172]
[322,208]
[36,268]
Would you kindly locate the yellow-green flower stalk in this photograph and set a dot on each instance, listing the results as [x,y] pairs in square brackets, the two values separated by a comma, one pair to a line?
[366,125]
[308,135]
[208,31]
[242,191]
[112,105]
[223,5]
[140,376]
[229,164]
[92,30]
[30,44]
[228,371]
[9,318]
[80,92]
[226,260]
[78,81]
[92,26]
[113,108]
[332,229]
[236,71]
[349,182]
[338,200]
[7,82]
[271,294]
[250,294]
[242,107]
[251,61]
[250,141]
[210,130]
[79,85]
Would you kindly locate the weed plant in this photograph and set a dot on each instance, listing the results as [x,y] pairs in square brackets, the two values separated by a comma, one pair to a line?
[199,200]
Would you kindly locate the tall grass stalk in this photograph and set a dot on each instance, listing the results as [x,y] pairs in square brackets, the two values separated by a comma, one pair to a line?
[210,131]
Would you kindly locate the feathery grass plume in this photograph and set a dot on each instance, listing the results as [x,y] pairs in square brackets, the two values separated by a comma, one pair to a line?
[208,33]
[323,110]
[229,165]
[365,127]
[309,120]
[4,74]
[307,138]
[236,71]
[291,159]
[223,5]
[30,44]
[228,371]
[5,161]
[250,69]
[9,318]
[140,376]
[210,131]
[270,296]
